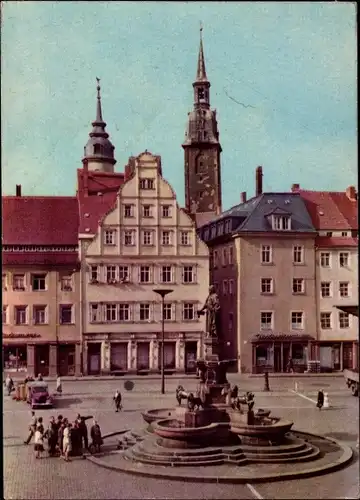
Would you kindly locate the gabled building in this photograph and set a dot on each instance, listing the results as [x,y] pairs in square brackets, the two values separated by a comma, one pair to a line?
[40,285]
[262,264]
[144,241]
[335,217]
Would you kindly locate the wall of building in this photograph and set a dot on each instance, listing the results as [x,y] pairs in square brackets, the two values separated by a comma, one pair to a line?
[180,252]
[281,302]
[52,332]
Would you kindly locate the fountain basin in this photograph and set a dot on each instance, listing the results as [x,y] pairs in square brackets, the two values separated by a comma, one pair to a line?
[173,433]
[265,430]
[151,416]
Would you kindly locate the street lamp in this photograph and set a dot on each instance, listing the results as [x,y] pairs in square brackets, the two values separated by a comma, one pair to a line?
[162,292]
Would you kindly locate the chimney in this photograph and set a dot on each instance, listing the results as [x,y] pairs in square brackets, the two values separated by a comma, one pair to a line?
[243,197]
[351,193]
[295,188]
[258,181]
[18,189]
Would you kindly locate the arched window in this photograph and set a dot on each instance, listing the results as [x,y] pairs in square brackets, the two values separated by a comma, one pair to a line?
[199,166]
[98,149]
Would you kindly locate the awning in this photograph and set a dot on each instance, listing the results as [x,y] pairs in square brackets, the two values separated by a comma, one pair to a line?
[354,310]
[276,337]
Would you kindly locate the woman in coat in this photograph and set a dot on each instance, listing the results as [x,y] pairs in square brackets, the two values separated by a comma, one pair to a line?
[320,400]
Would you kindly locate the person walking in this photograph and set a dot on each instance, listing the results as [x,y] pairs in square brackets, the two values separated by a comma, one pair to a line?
[60,438]
[39,440]
[58,385]
[95,433]
[117,399]
[32,428]
[67,444]
[320,399]
[9,384]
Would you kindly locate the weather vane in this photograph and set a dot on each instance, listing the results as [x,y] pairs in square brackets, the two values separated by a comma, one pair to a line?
[98,80]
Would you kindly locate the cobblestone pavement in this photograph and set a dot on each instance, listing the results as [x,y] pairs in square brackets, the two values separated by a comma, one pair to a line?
[51,478]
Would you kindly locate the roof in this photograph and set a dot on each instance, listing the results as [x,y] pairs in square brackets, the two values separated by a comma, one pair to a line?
[336,242]
[97,194]
[331,210]
[40,220]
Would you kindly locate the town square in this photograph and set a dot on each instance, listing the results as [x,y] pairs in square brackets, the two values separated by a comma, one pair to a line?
[180,250]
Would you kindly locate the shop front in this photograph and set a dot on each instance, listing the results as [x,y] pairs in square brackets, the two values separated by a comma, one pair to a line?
[143,357]
[281,353]
[118,357]
[15,358]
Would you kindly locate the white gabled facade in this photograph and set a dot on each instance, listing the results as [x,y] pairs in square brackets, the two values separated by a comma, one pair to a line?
[145,242]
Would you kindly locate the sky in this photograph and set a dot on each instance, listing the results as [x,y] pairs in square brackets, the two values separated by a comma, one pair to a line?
[292,63]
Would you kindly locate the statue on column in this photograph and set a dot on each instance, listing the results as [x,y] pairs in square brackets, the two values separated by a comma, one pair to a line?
[212,310]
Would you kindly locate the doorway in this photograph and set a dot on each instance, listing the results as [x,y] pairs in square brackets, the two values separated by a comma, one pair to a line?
[42,360]
[277,358]
[190,357]
[143,356]
[94,358]
[66,355]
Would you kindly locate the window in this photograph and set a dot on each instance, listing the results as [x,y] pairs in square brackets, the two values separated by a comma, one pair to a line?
[4,314]
[128,211]
[298,255]
[38,282]
[165,211]
[329,234]
[40,315]
[129,238]
[166,274]
[231,287]
[165,238]
[20,315]
[144,274]
[124,312]
[188,311]
[325,320]
[344,234]
[144,312]
[147,184]
[213,231]
[344,259]
[4,282]
[110,274]
[281,223]
[206,234]
[147,212]
[94,313]
[297,320]
[224,256]
[188,274]
[266,257]
[216,258]
[225,287]
[66,314]
[185,238]
[19,282]
[98,149]
[325,289]
[344,320]
[147,238]
[123,273]
[66,283]
[110,312]
[167,312]
[109,236]
[325,259]
[231,255]
[94,273]
[266,320]
[266,285]
[298,285]
[344,289]
[227,226]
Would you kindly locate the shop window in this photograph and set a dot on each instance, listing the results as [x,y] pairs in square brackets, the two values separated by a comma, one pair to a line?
[298,352]
[15,358]
[263,355]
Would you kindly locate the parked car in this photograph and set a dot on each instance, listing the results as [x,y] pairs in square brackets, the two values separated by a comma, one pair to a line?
[38,395]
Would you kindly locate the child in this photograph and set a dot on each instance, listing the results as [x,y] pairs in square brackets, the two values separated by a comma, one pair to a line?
[320,400]
[58,385]
[39,441]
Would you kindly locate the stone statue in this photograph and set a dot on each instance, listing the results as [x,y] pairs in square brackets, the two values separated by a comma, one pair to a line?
[212,308]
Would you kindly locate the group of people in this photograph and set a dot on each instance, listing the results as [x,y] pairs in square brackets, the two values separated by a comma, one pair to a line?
[64,439]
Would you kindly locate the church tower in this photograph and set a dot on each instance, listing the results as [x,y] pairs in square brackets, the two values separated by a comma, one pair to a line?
[202,151]
[99,151]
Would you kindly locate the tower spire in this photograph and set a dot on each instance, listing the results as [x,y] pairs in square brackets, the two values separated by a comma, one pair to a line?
[99,118]
[201,70]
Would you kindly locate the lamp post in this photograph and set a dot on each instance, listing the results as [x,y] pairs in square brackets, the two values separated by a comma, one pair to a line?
[162,292]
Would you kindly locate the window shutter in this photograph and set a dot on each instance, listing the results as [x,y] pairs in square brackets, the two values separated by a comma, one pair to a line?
[195,273]
[173,272]
[139,273]
[173,311]
[182,274]
[151,273]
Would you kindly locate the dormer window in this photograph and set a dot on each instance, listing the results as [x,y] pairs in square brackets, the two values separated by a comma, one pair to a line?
[227,226]
[281,222]
[201,94]
[98,149]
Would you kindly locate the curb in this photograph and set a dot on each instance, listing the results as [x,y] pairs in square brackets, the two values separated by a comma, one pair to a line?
[345,458]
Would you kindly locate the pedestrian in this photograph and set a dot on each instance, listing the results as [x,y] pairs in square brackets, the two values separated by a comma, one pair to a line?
[117,399]
[32,428]
[290,366]
[320,399]
[67,442]
[9,384]
[76,439]
[51,435]
[95,433]
[39,440]
[84,435]
[58,385]
[40,379]
[60,438]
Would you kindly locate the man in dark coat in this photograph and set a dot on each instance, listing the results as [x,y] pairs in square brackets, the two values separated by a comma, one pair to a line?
[320,400]
[52,436]
[95,433]
[84,434]
[117,399]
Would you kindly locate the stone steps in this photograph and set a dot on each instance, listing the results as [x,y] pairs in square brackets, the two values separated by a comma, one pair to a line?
[312,454]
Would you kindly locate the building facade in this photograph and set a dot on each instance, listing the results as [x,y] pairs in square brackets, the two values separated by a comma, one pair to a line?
[262,264]
[143,242]
[334,215]
[202,152]
[40,285]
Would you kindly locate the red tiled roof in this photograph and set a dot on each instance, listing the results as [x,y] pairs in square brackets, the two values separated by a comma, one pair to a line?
[335,242]
[40,259]
[331,210]
[94,206]
[40,220]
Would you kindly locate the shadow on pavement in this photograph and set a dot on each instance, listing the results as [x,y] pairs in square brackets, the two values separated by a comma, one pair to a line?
[342,436]
[62,402]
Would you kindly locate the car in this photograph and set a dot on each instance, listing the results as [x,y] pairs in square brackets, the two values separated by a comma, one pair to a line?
[38,395]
